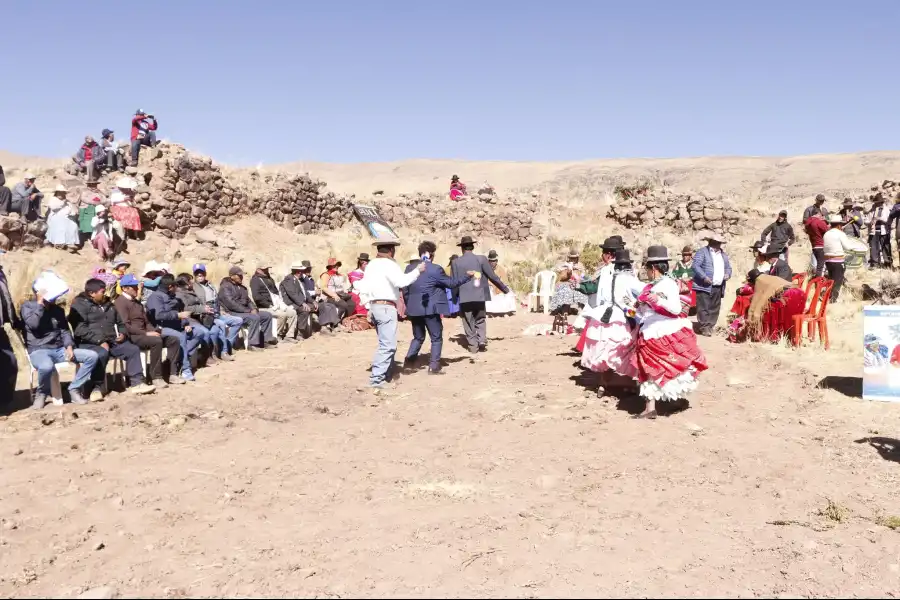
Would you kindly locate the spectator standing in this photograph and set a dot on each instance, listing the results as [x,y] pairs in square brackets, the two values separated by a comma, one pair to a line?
[9,366]
[712,270]
[837,244]
[780,234]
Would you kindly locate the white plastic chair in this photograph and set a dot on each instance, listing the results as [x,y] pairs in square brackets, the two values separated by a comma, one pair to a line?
[245,332]
[542,291]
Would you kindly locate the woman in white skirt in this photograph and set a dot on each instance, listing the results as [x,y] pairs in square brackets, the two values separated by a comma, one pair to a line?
[610,329]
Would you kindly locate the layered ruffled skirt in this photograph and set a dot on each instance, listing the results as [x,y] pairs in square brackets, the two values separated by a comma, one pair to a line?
[668,366]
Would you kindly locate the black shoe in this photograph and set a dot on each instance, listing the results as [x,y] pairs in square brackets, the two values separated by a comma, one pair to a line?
[254,349]
[272,343]
[408,362]
[287,340]
[482,348]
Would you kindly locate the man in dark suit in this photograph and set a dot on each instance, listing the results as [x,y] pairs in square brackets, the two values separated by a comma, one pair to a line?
[426,301]
[779,268]
[474,294]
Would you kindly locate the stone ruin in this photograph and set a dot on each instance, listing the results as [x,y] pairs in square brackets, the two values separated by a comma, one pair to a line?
[505,218]
[179,192]
[643,207]
[887,191]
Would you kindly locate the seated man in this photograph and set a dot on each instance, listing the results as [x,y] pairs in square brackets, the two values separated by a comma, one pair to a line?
[777,266]
[265,295]
[48,341]
[143,133]
[26,199]
[167,313]
[99,327]
[228,325]
[294,292]
[90,158]
[202,321]
[114,159]
[143,334]
[235,300]
[5,195]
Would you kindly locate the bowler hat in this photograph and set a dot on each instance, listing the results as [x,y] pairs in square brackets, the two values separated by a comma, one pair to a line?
[363,256]
[492,255]
[656,254]
[623,257]
[613,243]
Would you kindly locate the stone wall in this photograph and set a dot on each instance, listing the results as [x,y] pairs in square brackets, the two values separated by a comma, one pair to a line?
[684,212]
[506,218]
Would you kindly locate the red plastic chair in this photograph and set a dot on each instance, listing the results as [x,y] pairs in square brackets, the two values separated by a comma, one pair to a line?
[799,278]
[815,316]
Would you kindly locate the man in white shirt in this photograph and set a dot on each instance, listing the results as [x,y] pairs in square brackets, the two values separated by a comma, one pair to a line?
[380,291]
[836,246]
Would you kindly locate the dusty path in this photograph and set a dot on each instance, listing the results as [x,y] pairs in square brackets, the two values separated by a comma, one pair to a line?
[276,477]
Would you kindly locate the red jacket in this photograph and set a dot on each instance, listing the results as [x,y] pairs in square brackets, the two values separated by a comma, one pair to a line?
[815,229]
[136,126]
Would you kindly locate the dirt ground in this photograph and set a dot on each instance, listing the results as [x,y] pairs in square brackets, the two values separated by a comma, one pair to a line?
[277,476]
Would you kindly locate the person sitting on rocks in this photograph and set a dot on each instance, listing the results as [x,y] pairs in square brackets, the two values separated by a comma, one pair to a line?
[62,231]
[228,324]
[90,158]
[5,195]
[103,234]
[143,133]
[167,313]
[49,341]
[457,188]
[26,199]
[335,288]
[235,300]
[266,296]
[294,292]
[123,206]
[100,328]
[143,334]
[202,322]
[115,160]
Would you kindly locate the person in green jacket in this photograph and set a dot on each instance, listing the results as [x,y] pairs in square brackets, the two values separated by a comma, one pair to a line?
[684,269]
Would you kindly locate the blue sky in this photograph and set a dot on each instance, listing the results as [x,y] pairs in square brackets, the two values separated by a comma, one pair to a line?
[341,81]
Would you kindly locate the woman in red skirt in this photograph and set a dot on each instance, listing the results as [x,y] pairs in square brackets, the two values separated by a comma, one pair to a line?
[667,357]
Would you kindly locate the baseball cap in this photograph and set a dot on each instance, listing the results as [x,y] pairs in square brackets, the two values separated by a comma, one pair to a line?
[199,267]
[128,280]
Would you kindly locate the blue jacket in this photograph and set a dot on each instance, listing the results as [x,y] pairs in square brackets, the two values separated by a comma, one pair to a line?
[46,327]
[703,270]
[426,295]
[163,309]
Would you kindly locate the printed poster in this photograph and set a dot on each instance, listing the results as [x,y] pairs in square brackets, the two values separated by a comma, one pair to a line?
[377,227]
[881,353]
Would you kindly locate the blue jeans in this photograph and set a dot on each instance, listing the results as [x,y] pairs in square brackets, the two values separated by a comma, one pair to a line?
[45,362]
[385,317]
[435,328]
[189,344]
[232,325]
[149,140]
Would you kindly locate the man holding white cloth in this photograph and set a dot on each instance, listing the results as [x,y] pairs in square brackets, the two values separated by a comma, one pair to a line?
[380,292]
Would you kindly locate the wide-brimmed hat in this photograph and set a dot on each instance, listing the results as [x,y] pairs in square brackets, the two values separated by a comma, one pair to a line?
[492,255]
[122,263]
[363,256]
[378,243]
[92,180]
[623,257]
[773,249]
[126,183]
[687,250]
[28,176]
[466,240]
[712,236]
[333,262]
[454,178]
[848,202]
[100,209]
[413,257]
[656,254]
[835,219]
[612,243]
[61,188]
[573,253]
[298,265]
[758,246]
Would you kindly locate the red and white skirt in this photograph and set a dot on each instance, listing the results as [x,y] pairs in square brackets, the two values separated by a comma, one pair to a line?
[668,366]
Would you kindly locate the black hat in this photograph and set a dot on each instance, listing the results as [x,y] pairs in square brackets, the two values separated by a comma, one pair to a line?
[492,255]
[363,256]
[774,249]
[623,257]
[757,246]
[848,202]
[656,254]
[613,243]
[454,178]
[466,240]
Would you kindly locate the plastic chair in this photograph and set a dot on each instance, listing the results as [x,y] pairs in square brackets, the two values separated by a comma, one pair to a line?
[798,279]
[245,332]
[815,315]
[542,291]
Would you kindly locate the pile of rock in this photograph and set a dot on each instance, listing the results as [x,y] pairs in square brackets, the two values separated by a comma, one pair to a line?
[16,233]
[505,218]
[684,212]
[887,191]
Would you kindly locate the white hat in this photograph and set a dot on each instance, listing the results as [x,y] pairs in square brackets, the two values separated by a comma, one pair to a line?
[61,188]
[413,257]
[152,266]
[126,183]
[835,219]
[29,175]
[164,267]
[101,209]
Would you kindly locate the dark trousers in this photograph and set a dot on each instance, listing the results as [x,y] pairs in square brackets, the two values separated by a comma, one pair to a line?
[708,306]
[155,345]
[9,368]
[304,319]
[5,200]
[819,254]
[474,318]
[127,351]
[435,328]
[345,307]
[259,327]
[836,274]
[880,250]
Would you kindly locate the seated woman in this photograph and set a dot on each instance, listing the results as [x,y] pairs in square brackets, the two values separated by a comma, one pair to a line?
[457,188]
[563,299]
[500,303]
[773,302]
[62,230]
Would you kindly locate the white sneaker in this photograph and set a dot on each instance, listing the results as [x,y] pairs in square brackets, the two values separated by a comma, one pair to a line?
[96,396]
[141,389]
[57,401]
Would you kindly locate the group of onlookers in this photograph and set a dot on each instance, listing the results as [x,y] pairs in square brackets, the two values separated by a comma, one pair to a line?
[94,157]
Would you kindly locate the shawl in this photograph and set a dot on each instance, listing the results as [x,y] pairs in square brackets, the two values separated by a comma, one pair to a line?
[766,288]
